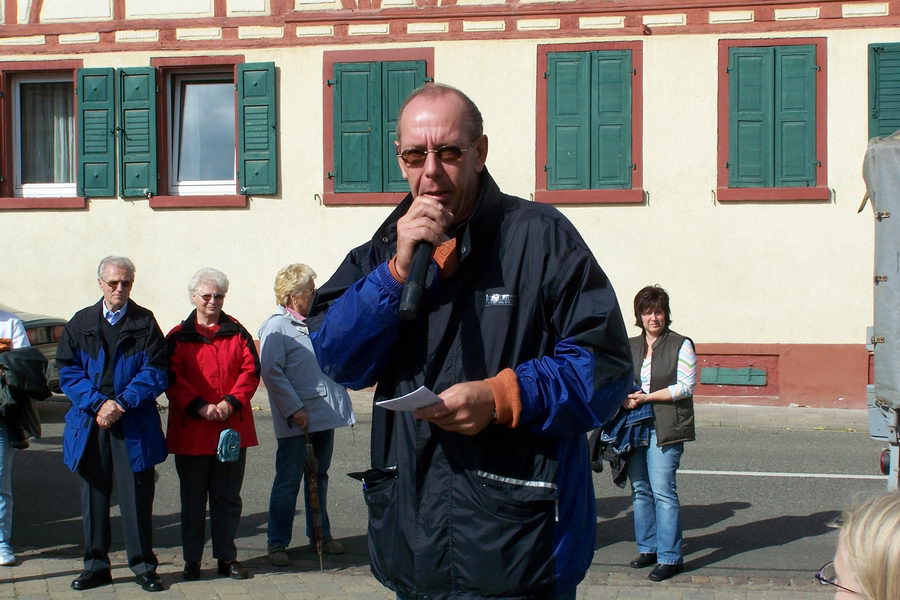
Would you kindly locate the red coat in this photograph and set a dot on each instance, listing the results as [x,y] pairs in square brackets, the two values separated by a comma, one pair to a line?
[206,371]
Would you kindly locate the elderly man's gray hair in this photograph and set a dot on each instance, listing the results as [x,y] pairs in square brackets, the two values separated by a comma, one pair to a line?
[208,275]
[121,262]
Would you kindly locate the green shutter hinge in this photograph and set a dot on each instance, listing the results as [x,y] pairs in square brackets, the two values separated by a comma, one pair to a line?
[728,164]
[331,174]
[243,191]
[546,75]
[816,163]
[547,168]
[634,72]
[428,80]
[817,68]
[331,82]
[728,69]
[878,49]
[632,166]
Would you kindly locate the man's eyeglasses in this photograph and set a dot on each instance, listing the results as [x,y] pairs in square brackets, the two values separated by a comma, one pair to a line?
[828,576]
[415,157]
[125,283]
[207,297]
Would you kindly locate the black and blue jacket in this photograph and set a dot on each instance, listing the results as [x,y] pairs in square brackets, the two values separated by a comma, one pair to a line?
[140,375]
[508,512]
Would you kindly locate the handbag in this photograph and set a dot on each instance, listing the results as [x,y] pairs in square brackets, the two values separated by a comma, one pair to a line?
[229,448]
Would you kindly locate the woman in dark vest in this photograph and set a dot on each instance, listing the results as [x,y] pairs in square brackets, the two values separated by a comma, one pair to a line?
[665,371]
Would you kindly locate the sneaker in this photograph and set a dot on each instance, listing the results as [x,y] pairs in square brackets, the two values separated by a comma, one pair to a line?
[278,557]
[7,558]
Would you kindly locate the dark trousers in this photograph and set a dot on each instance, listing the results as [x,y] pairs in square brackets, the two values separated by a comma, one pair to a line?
[202,478]
[105,460]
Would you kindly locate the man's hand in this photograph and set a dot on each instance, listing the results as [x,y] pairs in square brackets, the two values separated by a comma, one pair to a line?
[224,410]
[300,418]
[425,221]
[465,408]
[109,413]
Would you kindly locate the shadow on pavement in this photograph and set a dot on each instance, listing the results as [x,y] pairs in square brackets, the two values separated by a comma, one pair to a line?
[766,533]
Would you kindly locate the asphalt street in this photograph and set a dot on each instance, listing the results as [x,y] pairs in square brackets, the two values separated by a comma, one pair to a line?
[760,489]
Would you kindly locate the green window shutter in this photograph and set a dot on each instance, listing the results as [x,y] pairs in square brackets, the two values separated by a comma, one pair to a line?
[750,105]
[357,127]
[795,116]
[748,376]
[611,119]
[398,80]
[884,89]
[96,133]
[568,120]
[257,139]
[136,94]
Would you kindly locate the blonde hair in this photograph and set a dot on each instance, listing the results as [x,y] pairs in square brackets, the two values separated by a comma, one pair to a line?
[871,535]
[290,280]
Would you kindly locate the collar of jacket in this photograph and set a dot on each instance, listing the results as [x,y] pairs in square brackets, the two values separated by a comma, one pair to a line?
[188,331]
[286,314]
[133,320]
[470,233]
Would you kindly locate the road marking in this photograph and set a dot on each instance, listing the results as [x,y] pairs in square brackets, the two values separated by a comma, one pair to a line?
[769,474]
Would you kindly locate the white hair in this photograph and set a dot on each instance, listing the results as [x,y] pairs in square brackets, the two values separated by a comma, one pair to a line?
[207,275]
[121,262]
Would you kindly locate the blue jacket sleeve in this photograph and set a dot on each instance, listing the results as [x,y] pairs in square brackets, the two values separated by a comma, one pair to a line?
[585,380]
[74,380]
[354,339]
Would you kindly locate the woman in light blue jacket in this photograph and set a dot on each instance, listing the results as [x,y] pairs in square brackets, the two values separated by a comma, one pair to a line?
[304,402]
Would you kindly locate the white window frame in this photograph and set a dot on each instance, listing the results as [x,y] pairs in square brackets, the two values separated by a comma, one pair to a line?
[37,190]
[198,187]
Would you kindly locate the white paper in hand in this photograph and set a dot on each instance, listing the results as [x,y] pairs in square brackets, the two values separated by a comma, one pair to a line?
[411,401]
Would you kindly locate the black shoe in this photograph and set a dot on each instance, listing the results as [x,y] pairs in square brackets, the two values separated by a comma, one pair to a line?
[661,572]
[644,559]
[191,571]
[91,579]
[149,581]
[234,569]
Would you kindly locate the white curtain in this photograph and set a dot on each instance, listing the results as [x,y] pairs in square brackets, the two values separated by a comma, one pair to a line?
[47,134]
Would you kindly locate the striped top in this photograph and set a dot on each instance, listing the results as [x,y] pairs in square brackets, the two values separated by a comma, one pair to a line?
[684,379]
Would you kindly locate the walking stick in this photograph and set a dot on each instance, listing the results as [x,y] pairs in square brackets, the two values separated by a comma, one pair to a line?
[311,470]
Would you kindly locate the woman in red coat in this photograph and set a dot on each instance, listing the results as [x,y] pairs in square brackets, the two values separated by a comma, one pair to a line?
[213,373]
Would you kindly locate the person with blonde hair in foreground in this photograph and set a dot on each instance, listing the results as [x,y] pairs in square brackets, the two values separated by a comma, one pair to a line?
[867,560]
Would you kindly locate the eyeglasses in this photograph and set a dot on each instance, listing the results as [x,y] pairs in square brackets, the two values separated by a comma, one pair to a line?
[125,283]
[415,157]
[207,297]
[828,576]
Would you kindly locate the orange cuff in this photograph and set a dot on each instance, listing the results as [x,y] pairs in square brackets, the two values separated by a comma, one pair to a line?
[505,387]
[392,267]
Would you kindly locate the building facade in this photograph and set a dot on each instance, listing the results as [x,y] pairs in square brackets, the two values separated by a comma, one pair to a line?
[712,147]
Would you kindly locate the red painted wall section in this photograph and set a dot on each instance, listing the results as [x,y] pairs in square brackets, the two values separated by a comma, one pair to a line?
[818,375]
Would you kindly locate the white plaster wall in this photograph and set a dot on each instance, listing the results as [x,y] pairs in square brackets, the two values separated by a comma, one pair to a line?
[73,10]
[761,273]
[167,9]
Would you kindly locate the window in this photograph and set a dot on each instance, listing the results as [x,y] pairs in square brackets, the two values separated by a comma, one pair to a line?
[38,136]
[588,129]
[217,136]
[363,94]
[201,127]
[774,146]
[43,136]
[884,89]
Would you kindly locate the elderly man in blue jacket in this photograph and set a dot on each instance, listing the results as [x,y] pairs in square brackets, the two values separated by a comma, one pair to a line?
[112,366]
[486,493]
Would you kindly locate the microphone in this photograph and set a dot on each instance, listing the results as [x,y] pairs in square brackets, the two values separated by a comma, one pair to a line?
[415,281]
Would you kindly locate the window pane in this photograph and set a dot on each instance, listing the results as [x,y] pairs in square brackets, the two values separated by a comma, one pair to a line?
[206,131]
[48,136]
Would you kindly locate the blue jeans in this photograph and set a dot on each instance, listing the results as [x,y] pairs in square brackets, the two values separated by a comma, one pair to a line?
[288,472]
[654,497]
[6,496]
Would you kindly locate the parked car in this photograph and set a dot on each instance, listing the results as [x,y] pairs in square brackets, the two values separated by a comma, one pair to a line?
[43,333]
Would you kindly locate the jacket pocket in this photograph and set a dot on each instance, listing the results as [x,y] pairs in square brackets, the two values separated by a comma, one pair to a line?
[385,536]
[515,518]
